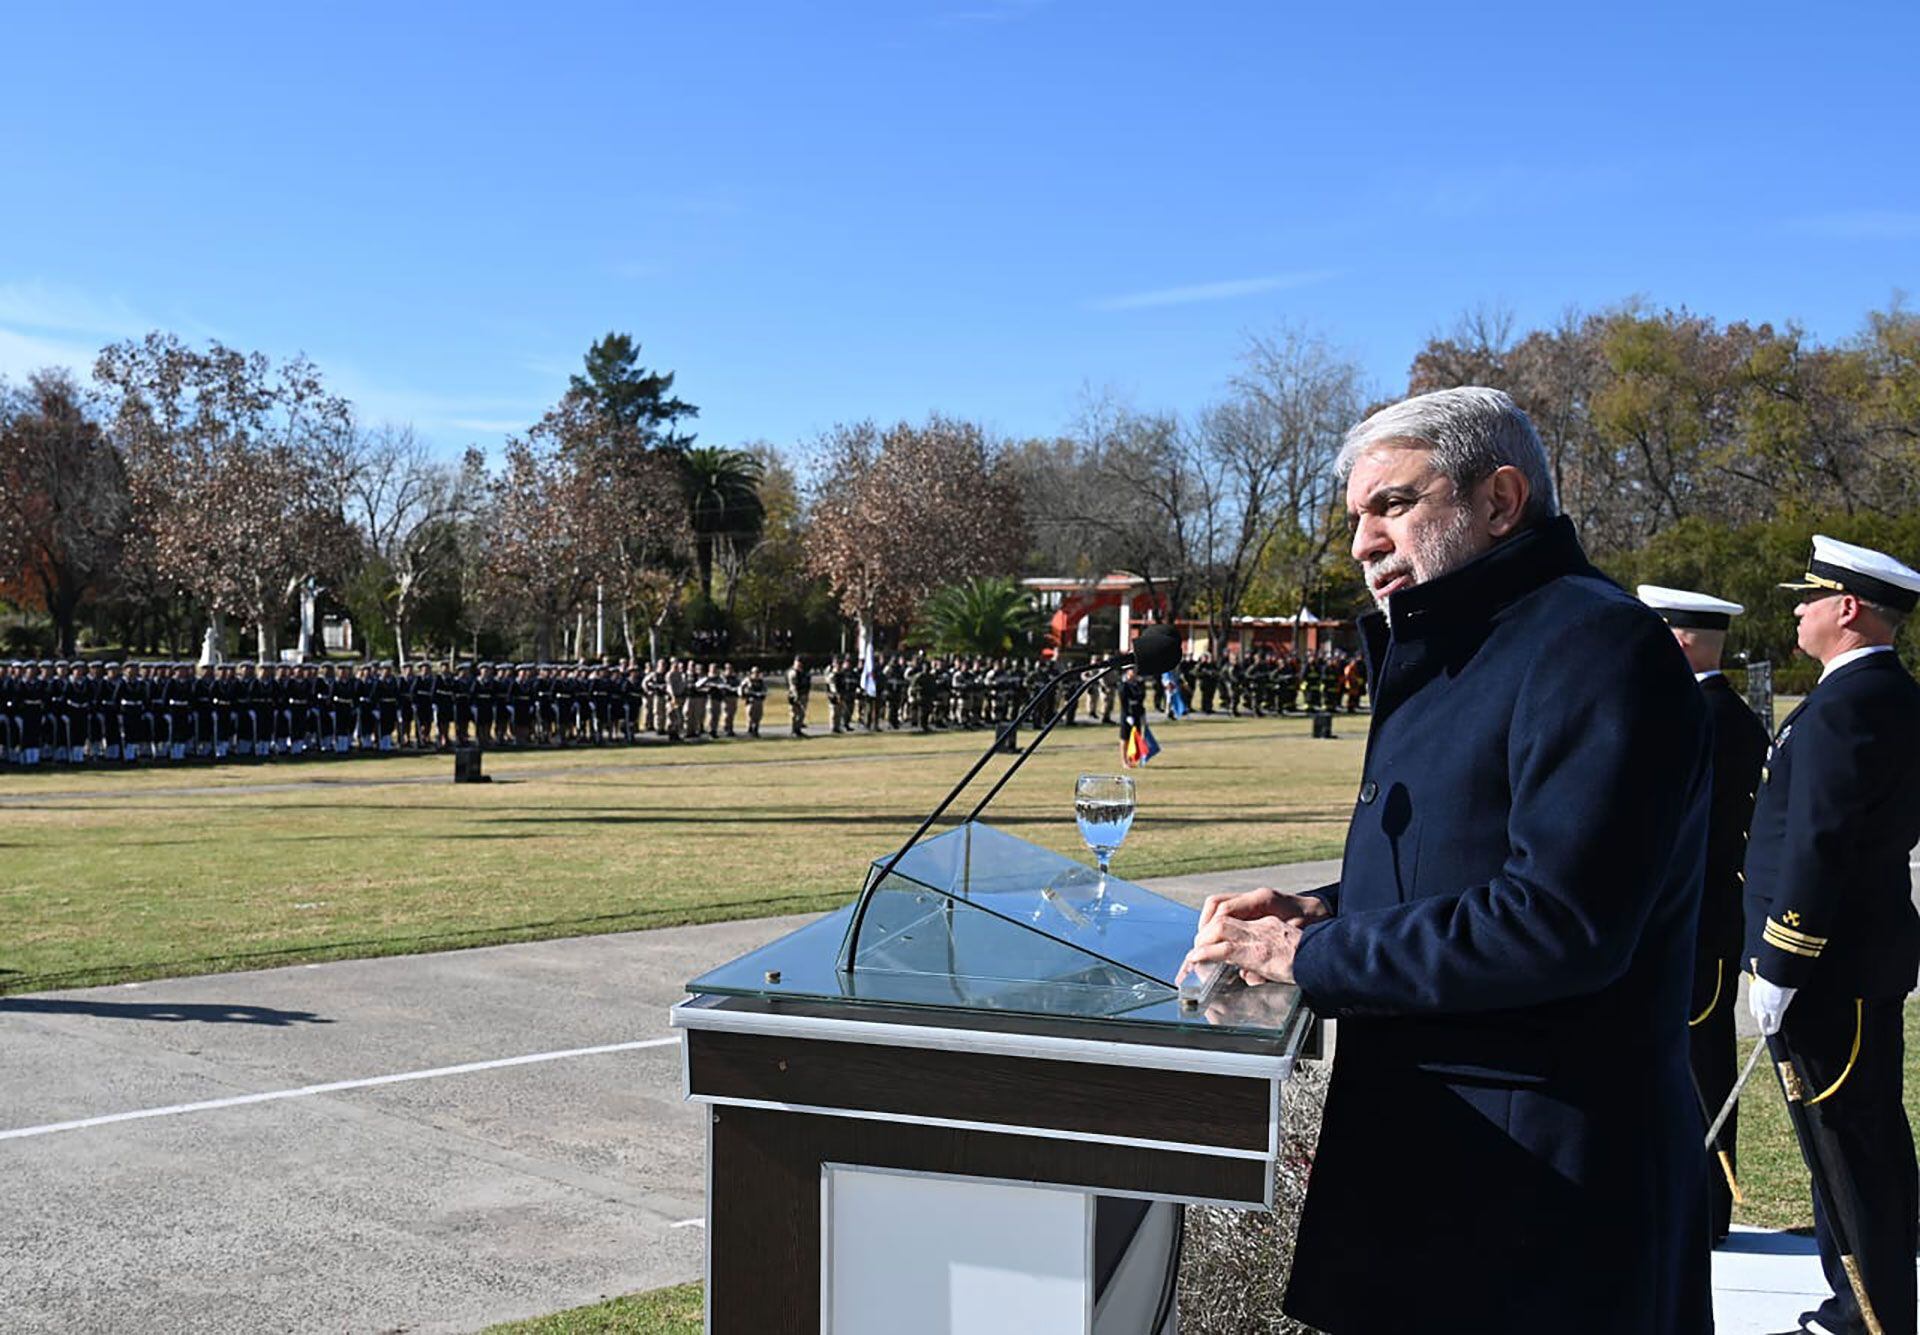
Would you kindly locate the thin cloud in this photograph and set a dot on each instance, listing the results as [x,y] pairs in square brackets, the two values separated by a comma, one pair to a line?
[1862,225]
[21,354]
[1229,290]
[41,307]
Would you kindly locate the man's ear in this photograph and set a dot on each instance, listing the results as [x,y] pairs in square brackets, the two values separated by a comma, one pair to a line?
[1507,493]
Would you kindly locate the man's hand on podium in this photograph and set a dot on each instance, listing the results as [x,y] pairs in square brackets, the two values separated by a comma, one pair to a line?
[1257,932]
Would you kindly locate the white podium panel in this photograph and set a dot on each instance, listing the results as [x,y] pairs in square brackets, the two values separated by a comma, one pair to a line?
[950,1256]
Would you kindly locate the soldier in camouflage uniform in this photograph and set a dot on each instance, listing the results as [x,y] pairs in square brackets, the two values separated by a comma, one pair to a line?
[799,686]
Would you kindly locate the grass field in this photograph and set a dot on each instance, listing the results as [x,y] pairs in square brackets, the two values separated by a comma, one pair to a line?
[111,877]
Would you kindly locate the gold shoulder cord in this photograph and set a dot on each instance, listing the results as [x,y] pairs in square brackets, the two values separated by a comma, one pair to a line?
[1859,1004]
[1719,967]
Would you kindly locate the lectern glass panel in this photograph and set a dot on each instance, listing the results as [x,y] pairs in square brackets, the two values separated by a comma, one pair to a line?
[977,920]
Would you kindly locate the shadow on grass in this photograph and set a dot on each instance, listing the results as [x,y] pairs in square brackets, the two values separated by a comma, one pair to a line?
[710,911]
[172,1012]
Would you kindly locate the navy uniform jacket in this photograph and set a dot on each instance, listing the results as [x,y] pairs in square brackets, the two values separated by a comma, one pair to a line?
[1829,897]
[1739,750]
[1511,1141]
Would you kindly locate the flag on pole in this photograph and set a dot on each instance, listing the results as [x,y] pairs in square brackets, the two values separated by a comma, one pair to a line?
[1140,746]
[869,685]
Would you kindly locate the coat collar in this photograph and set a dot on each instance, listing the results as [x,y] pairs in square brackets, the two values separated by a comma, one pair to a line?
[1480,590]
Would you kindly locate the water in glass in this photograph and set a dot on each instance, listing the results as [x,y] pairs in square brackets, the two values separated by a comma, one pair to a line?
[1103,805]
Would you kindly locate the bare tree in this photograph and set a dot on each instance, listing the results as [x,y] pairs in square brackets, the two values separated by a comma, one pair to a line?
[1265,464]
[63,497]
[578,512]
[898,513]
[1123,489]
[407,506]
[231,464]
[545,536]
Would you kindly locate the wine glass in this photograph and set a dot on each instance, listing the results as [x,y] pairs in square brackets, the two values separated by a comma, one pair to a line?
[1103,806]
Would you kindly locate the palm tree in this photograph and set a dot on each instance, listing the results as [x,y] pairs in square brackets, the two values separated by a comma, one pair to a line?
[723,503]
[991,616]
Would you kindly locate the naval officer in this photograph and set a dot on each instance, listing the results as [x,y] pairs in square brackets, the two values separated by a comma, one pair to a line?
[1700,623]
[1831,929]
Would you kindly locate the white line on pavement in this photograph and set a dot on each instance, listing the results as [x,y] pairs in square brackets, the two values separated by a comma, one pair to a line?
[334,1087]
[688,1223]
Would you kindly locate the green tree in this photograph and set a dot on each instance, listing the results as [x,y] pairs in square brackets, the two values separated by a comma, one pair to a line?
[631,397]
[724,509]
[990,615]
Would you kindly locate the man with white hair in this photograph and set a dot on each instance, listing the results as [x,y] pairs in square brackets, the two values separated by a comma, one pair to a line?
[1510,1141]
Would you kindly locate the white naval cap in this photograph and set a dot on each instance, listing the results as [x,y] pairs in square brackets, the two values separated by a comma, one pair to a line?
[1841,567]
[1687,610]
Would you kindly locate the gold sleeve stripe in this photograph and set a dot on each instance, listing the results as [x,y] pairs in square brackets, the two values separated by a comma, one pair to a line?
[1791,947]
[1805,938]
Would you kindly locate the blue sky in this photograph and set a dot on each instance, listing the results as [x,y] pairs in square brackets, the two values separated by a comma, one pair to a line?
[822,212]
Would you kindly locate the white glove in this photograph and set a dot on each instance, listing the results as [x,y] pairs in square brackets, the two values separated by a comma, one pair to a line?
[1769,1003]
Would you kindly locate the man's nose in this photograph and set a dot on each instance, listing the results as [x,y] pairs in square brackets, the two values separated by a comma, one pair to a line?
[1370,540]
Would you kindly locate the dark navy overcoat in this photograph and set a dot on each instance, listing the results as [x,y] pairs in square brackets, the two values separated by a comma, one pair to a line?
[1511,1142]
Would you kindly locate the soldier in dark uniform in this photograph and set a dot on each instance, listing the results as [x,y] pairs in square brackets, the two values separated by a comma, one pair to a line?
[1699,624]
[401,702]
[1832,935]
[1206,678]
[1511,1144]
[895,687]
[269,702]
[224,710]
[90,682]
[253,729]
[135,724]
[634,702]
[8,740]
[1133,704]
[172,712]
[106,708]
[54,712]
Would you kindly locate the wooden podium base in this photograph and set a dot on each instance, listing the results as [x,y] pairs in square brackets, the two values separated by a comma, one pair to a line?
[801,1094]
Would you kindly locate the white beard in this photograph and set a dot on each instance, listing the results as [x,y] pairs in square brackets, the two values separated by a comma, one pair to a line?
[1435,552]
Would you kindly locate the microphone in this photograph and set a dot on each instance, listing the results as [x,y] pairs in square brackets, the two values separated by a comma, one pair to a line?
[1156,651]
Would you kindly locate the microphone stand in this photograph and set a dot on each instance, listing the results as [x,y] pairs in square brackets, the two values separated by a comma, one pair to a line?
[1095,671]
[1094,674]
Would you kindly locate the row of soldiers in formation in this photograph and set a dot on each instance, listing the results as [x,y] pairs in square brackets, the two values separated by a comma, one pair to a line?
[72,713]
[927,693]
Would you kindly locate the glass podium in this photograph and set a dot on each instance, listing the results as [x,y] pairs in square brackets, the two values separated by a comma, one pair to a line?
[977,920]
[991,1037]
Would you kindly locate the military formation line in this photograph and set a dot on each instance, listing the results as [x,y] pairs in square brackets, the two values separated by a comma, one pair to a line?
[100,712]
